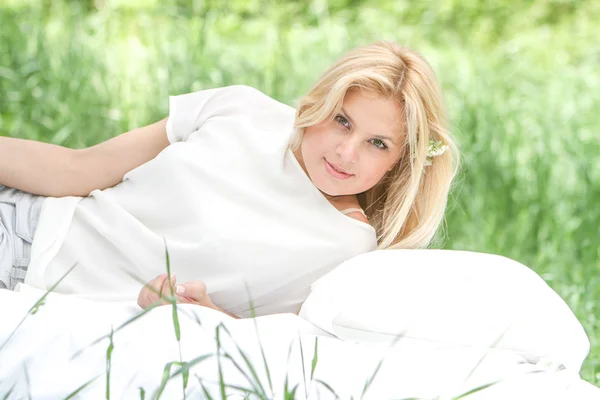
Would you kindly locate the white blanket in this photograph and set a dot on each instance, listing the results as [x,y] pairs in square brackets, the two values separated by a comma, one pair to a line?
[64,345]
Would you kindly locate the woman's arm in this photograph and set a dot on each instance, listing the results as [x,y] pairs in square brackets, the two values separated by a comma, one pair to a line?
[51,170]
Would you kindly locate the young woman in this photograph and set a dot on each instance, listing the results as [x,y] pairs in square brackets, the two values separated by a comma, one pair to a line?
[254,200]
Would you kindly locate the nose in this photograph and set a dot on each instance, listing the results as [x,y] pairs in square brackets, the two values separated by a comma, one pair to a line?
[347,149]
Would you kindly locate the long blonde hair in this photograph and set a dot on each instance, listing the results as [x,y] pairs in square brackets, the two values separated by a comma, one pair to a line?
[407,206]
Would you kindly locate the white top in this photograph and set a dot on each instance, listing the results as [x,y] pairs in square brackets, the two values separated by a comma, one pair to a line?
[232,202]
[351,210]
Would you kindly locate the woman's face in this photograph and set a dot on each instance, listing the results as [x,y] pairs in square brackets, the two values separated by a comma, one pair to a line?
[350,154]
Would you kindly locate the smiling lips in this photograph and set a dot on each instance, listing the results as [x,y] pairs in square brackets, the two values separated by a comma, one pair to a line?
[335,171]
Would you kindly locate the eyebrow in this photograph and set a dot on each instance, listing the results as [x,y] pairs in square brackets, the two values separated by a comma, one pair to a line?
[378,136]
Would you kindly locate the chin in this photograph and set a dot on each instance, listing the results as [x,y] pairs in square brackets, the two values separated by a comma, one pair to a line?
[332,187]
[332,190]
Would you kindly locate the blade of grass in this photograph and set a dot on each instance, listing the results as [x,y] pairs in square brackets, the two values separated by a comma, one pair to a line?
[256,383]
[26,371]
[191,363]
[35,308]
[241,389]
[256,388]
[6,396]
[109,351]
[81,388]
[165,378]
[313,365]
[221,381]
[489,349]
[302,363]
[229,386]
[123,325]
[475,390]
[186,375]
[320,382]
[487,385]
[173,301]
[262,350]
[206,394]
[131,320]
[185,368]
[287,394]
[372,377]
[315,358]
[134,318]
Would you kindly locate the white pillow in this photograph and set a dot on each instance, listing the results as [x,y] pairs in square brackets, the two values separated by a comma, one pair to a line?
[453,298]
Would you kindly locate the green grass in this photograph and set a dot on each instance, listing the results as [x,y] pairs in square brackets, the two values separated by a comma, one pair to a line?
[520,78]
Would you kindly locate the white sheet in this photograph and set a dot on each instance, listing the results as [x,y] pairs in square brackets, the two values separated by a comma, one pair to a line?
[44,358]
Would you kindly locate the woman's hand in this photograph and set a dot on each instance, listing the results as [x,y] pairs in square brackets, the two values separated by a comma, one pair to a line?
[158,292]
[193,292]
[155,292]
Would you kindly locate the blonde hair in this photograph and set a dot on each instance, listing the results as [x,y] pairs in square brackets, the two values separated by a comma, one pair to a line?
[407,206]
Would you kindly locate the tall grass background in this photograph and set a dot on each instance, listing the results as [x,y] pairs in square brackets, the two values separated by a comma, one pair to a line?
[521,80]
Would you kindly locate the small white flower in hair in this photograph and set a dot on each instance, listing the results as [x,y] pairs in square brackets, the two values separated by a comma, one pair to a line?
[436,148]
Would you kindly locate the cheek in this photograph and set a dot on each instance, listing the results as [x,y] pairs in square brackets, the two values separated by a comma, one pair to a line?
[373,172]
[310,147]
[315,142]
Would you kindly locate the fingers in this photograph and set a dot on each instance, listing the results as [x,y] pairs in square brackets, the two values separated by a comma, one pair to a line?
[151,291]
[184,294]
[157,291]
[193,292]
[166,289]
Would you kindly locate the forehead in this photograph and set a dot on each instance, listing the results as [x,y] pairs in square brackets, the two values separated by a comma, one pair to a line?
[373,113]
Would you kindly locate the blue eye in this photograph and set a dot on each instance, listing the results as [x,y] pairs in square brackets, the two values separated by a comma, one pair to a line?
[342,121]
[379,144]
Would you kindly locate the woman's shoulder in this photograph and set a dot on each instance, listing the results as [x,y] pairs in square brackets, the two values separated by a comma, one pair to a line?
[247,102]
[250,97]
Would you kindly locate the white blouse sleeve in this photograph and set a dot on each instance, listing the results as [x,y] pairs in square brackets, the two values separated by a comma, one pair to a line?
[186,114]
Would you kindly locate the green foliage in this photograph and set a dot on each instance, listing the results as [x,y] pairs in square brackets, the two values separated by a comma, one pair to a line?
[109,351]
[520,79]
[81,389]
